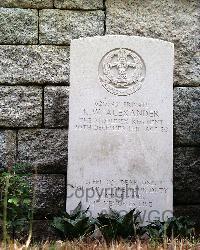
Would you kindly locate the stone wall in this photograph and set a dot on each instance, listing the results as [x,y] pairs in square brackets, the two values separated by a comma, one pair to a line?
[34,85]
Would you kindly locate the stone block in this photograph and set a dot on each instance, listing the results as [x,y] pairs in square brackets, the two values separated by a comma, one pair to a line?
[29,4]
[49,195]
[186,175]
[7,148]
[56,106]
[79,4]
[186,115]
[42,231]
[191,211]
[174,21]
[18,26]
[60,26]
[44,149]
[20,106]
[34,64]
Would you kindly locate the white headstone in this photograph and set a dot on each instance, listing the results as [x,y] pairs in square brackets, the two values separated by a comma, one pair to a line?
[120,125]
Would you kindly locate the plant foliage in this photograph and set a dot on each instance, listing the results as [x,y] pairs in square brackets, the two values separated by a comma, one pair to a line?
[15,200]
[114,226]
[73,225]
[174,227]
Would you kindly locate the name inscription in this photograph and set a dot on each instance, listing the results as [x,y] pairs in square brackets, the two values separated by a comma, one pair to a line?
[121,116]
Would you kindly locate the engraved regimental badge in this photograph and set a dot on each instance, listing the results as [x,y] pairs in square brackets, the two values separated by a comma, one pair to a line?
[121,72]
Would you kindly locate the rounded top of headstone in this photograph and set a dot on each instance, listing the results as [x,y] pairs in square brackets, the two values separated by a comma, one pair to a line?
[127,37]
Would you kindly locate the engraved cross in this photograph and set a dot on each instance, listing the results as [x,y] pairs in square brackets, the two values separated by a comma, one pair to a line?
[122,64]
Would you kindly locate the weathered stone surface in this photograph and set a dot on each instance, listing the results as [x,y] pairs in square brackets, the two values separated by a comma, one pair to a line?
[20,106]
[174,21]
[38,4]
[120,136]
[186,175]
[60,26]
[45,149]
[7,148]
[50,195]
[186,115]
[34,64]
[79,4]
[18,26]
[192,211]
[56,106]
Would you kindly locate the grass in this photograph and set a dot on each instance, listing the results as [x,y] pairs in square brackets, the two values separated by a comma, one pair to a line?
[99,245]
